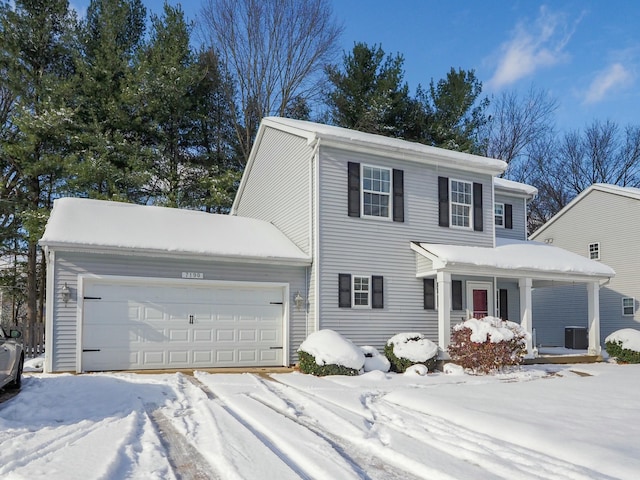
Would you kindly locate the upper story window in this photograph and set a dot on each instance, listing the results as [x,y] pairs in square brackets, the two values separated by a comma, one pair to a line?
[498,211]
[628,306]
[461,203]
[594,251]
[376,191]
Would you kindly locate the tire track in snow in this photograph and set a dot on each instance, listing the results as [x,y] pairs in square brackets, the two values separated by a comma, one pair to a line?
[500,458]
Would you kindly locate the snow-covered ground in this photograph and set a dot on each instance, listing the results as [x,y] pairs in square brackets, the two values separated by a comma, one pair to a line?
[542,422]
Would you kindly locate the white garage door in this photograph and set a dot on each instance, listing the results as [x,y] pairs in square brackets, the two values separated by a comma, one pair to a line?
[138,326]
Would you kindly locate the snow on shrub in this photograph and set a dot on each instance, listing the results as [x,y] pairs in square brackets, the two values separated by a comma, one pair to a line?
[624,345]
[418,369]
[326,352]
[406,349]
[488,344]
[374,360]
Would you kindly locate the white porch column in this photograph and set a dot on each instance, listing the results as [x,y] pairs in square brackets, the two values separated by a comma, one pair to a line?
[526,319]
[593,312]
[444,312]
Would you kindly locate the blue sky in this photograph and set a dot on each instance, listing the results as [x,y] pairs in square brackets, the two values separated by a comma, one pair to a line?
[585,53]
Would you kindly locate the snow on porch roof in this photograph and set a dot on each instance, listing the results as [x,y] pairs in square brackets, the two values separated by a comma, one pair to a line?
[514,255]
[114,226]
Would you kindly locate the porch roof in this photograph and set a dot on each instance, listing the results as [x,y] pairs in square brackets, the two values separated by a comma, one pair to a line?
[510,258]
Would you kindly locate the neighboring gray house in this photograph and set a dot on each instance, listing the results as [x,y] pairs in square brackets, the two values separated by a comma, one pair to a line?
[601,223]
[331,228]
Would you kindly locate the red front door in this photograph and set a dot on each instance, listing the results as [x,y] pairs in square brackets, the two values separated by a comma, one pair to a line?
[480,303]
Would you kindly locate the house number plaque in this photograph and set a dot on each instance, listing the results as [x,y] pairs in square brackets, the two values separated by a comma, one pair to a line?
[193,275]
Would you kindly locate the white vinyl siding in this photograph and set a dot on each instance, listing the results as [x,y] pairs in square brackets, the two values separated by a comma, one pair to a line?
[281,195]
[69,265]
[350,244]
[602,215]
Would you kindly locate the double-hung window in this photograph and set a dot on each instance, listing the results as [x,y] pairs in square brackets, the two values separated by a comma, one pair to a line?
[461,203]
[361,288]
[499,214]
[628,306]
[376,192]
[594,251]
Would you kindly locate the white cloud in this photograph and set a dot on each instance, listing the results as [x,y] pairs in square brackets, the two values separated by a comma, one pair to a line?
[533,46]
[616,75]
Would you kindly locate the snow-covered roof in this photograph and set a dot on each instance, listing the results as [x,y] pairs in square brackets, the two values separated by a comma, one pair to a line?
[395,147]
[629,192]
[81,223]
[513,255]
[509,186]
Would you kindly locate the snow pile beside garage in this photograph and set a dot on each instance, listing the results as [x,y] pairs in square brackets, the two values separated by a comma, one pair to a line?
[86,223]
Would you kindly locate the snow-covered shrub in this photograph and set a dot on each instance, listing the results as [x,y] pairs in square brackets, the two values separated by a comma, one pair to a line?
[416,370]
[406,349]
[624,345]
[487,345]
[374,360]
[326,352]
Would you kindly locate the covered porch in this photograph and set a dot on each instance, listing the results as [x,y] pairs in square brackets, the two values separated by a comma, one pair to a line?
[498,281]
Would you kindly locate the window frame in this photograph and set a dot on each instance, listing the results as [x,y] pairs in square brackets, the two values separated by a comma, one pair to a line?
[501,215]
[369,291]
[388,194]
[595,250]
[468,206]
[632,306]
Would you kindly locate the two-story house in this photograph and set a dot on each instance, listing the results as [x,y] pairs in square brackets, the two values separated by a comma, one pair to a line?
[600,224]
[331,228]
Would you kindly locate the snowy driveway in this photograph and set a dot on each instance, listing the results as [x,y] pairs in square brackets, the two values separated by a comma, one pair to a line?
[526,425]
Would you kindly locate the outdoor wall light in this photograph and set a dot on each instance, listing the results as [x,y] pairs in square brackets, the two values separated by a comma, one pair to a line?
[299,301]
[66,293]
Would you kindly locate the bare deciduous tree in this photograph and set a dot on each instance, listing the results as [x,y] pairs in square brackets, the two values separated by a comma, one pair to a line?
[276,51]
[517,122]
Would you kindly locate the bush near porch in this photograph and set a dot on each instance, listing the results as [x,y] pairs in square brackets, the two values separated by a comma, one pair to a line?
[487,345]
[624,345]
[407,349]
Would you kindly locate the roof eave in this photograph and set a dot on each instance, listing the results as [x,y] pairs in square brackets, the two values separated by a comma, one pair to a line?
[148,252]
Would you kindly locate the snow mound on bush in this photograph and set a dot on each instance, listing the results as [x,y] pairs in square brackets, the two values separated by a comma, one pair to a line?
[494,329]
[374,360]
[417,369]
[628,338]
[331,348]
[453,369]
[406,346]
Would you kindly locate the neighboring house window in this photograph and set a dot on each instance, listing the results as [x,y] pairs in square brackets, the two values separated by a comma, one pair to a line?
[460,204]
[499,214]
[628,306]
[375,192]
[594,251]
[360,291]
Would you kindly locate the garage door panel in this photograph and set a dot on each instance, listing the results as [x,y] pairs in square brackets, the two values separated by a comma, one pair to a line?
[164,326]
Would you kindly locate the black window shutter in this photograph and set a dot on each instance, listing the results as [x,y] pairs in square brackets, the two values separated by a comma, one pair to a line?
[429,293]
[354,189]
[398,195]
[456,295]
[504,304]
[377,287]
[344,290]
[508,216]
[477,207]
[443,201]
